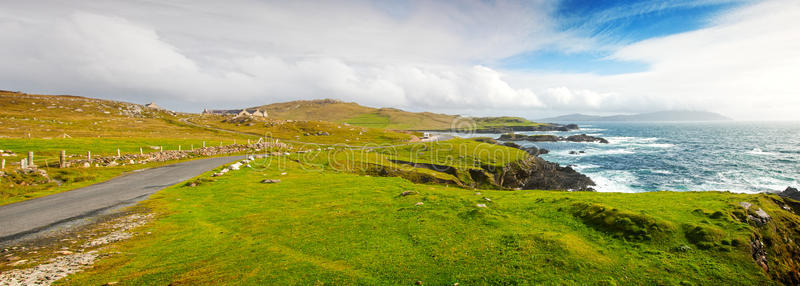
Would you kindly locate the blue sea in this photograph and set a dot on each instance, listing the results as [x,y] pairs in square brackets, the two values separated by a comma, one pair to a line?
[746,157]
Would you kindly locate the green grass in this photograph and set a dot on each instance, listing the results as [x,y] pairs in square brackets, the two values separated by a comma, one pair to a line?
[390,118]
[322,227]
[369,120]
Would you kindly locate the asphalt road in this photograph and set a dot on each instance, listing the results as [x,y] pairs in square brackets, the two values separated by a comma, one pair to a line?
[32,216]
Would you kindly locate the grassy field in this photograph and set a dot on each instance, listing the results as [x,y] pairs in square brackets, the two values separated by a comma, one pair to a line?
[330,228]
[391,118]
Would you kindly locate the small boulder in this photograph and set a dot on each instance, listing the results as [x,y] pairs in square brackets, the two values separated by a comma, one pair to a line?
[408,193]
[481,205]
[419,203]
[270,181]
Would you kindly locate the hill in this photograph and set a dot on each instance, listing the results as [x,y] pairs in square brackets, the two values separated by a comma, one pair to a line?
[354,114]
[669,115]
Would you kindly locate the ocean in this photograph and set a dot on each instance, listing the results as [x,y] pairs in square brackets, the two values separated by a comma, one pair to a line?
[745,157]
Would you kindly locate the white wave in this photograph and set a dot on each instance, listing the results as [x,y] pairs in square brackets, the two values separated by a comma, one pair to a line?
[758,151]
[663,172]
[581,167]
[613,181]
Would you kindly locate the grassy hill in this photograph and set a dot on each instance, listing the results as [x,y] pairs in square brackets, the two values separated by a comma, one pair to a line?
[321,227]
[391,118]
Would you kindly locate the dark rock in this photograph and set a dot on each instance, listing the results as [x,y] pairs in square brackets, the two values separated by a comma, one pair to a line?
[586,138]
[408,193]
[535,151]
[532,138]
[535,173]
[512,145]
[791,193]
[270,181]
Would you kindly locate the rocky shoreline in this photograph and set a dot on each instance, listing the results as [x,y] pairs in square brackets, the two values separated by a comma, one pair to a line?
[508,129]
[551,138]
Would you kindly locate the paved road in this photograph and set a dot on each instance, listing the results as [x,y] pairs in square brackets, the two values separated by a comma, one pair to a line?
[36,215]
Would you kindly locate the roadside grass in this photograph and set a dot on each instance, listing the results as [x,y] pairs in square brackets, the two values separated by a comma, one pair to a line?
[323,227]
[49,149]
[68,179]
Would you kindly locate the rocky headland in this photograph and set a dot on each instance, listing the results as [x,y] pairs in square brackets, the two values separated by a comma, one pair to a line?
[551,138]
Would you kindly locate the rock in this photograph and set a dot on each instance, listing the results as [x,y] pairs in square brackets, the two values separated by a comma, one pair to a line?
[759,254]
[477,193]
[532,138]
[418,283]
[487,199]
[481,205]
[18,262]
[745,205]
[64,252]
[270,181]
[791,193]
[87,165]
[586,138]
[419,203]
[217,174]
[535,173]
[408,193]
[760,217]
[112,164]
[12,258]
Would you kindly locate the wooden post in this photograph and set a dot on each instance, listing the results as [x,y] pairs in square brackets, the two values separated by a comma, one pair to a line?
[118,154]
[3,164]
[141,153]
[62,159]
[204,144]
[179,148]
[30,159]
[161,149]
[89,156]
[23,164]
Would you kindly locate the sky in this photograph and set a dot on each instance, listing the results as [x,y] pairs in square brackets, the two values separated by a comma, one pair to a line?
[534,59]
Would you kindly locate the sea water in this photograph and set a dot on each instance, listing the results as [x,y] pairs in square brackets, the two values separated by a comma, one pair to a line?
[745,157]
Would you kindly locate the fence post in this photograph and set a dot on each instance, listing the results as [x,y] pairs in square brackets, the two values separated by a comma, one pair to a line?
[3,164]
[23,164]
[89,156]
[204,144]
[30,159]
[118,154]
[62,159]
[141,153]
[161,149]
[179,148]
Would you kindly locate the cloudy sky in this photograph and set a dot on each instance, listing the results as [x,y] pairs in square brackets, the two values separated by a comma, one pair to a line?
[528,58]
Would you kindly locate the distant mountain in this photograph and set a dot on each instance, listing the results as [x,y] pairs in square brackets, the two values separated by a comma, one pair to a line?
[669,115]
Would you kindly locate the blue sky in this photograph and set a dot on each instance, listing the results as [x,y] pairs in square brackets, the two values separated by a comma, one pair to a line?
[615,23]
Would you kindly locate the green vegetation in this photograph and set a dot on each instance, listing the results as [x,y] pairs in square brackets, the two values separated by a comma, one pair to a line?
[322,227]
[391,118]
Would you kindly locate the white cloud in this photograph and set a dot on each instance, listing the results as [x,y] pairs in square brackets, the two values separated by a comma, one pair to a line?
[424,56]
